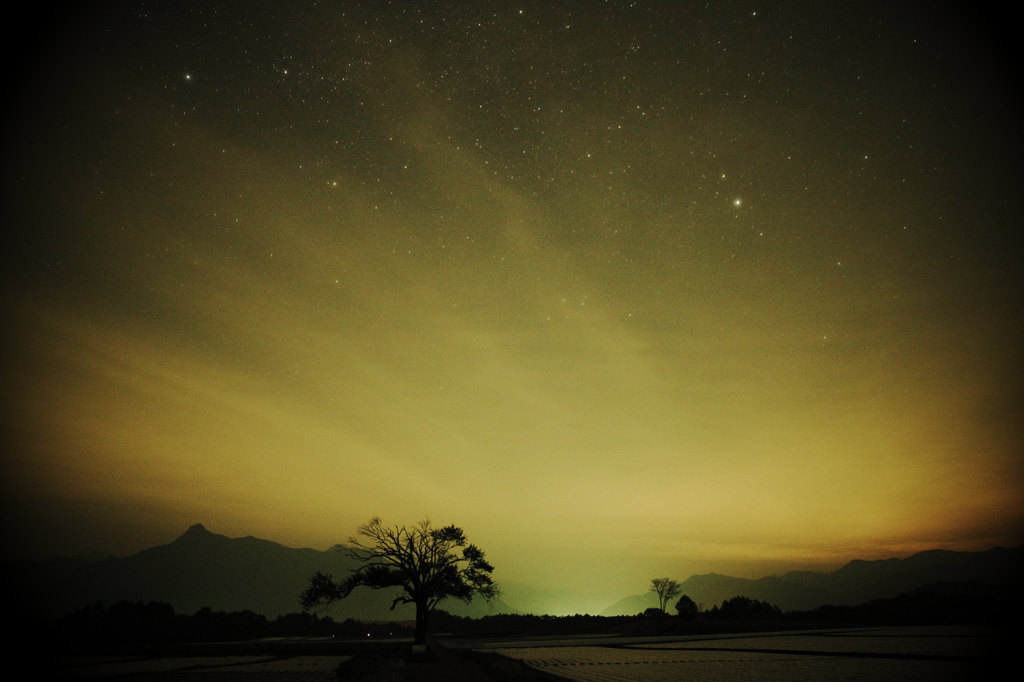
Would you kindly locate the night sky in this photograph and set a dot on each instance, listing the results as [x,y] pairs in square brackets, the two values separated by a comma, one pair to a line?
[624,289]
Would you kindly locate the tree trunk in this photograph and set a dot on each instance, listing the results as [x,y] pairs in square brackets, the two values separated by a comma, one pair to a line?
[422,614]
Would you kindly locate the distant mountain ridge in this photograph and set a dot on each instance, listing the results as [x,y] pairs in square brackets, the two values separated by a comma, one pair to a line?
[203,569]
[855,583]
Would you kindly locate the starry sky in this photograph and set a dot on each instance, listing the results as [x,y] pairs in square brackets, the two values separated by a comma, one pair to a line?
[624,289]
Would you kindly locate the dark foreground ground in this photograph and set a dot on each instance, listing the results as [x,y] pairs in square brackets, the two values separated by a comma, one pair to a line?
[929,654]
[300,661]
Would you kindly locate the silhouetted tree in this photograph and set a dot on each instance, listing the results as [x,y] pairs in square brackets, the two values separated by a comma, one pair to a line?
[686,607]
[421,560]
[666,589]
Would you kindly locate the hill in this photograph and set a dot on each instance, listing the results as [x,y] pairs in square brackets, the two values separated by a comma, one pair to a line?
[855,583]
[204,569]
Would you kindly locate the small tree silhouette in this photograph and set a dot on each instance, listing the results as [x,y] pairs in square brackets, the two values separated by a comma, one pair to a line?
[687,608]
[666,589]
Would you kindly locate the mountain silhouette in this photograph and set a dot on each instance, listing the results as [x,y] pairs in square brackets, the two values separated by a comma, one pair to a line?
[203,569]
[855,583]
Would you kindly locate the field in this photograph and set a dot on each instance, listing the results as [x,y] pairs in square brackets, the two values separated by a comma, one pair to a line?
[931,654]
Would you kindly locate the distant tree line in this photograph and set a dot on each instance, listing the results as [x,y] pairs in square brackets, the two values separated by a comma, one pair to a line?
[938,604]
[739,607]
[947,603]
[131,624]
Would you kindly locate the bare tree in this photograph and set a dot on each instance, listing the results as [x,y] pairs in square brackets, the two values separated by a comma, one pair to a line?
[666,589]
[421,560]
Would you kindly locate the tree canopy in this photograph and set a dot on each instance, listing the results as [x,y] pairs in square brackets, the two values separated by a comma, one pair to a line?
[744,607]
[686,607]
[428,564]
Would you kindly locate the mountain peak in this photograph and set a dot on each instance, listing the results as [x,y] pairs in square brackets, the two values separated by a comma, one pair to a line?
[194,533]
